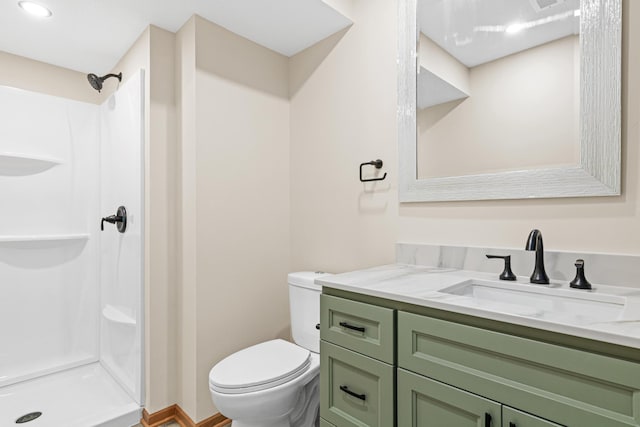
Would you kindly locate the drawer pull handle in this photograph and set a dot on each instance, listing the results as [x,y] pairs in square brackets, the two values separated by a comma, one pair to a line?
[362,397]
[354,328]
[487,419]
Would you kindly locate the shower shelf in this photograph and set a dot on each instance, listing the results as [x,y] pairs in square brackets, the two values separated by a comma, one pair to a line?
[37,240]
[25,164]
[116,315]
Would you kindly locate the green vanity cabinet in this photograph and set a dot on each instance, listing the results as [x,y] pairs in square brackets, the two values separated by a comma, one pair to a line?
[423,402]
[325,423]
[422,367]
[568,386]
[514,418]
[355,390]
[357,372]
[364,328]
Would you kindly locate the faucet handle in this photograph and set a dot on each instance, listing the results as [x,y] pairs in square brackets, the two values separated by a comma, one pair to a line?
[580,282]
[507,274]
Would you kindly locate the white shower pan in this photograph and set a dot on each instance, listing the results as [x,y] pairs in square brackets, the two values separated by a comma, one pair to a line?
[71,295]
[80,397]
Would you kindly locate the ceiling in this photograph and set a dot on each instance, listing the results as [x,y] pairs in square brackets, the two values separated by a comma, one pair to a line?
[92,35]
[475,32]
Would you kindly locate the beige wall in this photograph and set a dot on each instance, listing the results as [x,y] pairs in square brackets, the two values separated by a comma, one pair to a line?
[186,95]
[344,114]
[20,72]
[161,228]
[343,106]
[521,114]
[442,64]
[235,201]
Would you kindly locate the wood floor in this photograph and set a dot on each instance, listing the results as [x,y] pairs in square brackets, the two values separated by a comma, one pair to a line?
[171,424]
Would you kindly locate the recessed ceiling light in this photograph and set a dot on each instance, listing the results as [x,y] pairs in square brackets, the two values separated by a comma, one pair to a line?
[35,9]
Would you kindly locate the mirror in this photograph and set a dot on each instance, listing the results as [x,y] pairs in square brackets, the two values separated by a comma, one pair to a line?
[509,99]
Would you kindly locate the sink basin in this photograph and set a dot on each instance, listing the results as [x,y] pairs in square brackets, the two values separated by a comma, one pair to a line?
[565,306]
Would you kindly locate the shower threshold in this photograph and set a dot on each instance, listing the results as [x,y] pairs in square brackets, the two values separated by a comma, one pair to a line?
[86,396]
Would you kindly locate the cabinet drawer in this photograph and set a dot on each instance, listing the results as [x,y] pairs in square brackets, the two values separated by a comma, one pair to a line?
[355,390]
[514,418]
[427,403]
[361,327]
[568,386]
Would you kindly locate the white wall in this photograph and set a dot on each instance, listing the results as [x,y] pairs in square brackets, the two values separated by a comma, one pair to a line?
[121,254]
[49,290]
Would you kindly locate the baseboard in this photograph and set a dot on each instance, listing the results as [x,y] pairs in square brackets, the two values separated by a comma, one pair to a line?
[175,413]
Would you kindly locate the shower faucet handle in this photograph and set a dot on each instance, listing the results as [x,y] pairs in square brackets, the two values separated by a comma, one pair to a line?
[112,219]
[120,219]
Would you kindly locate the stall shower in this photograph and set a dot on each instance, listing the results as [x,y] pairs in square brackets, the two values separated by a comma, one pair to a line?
[71,295]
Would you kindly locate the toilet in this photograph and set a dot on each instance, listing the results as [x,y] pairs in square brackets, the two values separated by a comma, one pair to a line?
[276,383]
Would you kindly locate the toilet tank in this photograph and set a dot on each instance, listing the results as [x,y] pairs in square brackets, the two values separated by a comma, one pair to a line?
[304,305]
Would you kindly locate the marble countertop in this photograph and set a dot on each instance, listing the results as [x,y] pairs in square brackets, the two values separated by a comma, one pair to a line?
[606,313]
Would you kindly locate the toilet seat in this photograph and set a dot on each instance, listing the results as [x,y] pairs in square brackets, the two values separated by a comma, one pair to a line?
[259,367]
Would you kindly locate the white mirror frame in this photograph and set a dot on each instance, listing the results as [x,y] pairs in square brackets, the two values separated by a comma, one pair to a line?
[598,173]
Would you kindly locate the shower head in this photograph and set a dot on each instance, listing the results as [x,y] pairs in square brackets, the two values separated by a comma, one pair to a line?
[96,82]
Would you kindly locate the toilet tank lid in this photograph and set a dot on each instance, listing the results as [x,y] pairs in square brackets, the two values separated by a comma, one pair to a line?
[305,279]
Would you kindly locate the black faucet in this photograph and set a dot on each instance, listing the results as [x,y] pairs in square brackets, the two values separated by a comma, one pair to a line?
[534,243]
[120,219]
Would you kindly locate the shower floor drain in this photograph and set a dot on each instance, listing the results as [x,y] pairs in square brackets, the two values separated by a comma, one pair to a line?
[28,417]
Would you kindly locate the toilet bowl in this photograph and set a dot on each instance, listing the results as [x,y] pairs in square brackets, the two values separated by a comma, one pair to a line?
[276,383]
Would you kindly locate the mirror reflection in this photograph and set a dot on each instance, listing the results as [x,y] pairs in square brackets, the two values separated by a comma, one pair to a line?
[498,86]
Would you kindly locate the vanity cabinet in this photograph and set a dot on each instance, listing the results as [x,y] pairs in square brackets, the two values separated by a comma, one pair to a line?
[427,403]
[364,328]
[568,386]
[356,390]
[423,402]
[325,423]
[445,369]
[514,418]
[357,372]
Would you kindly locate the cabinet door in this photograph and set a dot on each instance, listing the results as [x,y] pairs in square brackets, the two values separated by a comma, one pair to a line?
[423,402]
[355,390]
[514,418]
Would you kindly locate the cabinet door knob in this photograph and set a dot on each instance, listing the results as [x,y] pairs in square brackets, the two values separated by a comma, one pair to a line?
[512,424]
[353,328]
[362,397]
[487,419]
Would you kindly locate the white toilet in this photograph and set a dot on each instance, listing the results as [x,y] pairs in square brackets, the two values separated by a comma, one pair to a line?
[276,383]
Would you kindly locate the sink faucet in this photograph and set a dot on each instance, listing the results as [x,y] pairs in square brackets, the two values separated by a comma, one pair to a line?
[534,243]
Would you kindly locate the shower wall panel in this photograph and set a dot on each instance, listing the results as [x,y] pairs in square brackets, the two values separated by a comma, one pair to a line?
[122,160]
[49,172]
